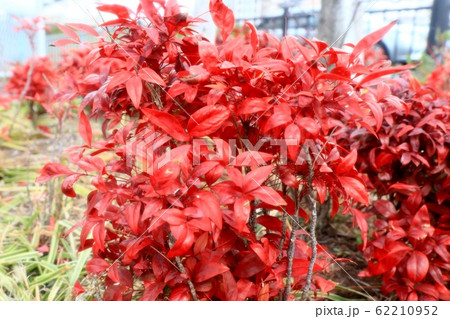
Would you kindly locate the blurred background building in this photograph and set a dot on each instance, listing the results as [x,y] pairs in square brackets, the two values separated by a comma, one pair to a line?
[407,41]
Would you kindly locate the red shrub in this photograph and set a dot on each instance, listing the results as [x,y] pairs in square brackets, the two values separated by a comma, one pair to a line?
[213,155]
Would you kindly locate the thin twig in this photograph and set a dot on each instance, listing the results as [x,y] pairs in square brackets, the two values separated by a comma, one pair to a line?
[312,229]
[291,249]
[180,266]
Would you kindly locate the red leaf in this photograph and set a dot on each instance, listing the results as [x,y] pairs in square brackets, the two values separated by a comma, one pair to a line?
[405,189]
[134,90]
[151,76]
[370,40]
[241,212]
[208,53]
[395,69]
[120,11]
[385,208]
[324,285]
[417,266]
[252,158]
[85,28]
[53,170]
[63,42]
[84,128]
[208,270]
[183,244]
[347,163]
[392,254]
[207,120]
[133,215]
[222,16]
[152,291]
[253,105]
[168,123]
[268,196]
[377,114]
[354,189]
[69,32]
[210,206]
[256,178]
[97,265]
[78,288]
[67,185]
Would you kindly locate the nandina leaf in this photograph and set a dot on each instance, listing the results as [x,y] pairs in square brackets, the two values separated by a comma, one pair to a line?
[63,42]
[69,32]
[256,178]
[209,204]
[377,114]
[377,74]
[268,196]
[152,291]
[183,244]
[292,137]
[355,189]
[208,53]
[324,285]
[67,185]
[253,105]
[117,79]
[84,128]
[134,90]
[252,158]
[222,16]
[405,189]
[347,163]
[208,270]
[370,40]
[168,123]
[53,170]
[120,11]
[254,41]
[393,253]
[417,266]
[78,288]
[84,27]
[385,208]
[249,266]
[151,76]
[420,226]
[133,215]
[97,265]
[241,212]
[207,120]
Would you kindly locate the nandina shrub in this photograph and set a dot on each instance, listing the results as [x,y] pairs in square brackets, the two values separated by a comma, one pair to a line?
[407,167]
[215,157]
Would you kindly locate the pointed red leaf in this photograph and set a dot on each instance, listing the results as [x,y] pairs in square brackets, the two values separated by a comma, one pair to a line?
[134,90]
[370,40]
[84,128]
[268,196]
[355,189]
[207,120]
[222,16]
[168,123]
[256,178]
[208,270]
[151,76]
[53,170]
[97,265]
[347,163]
